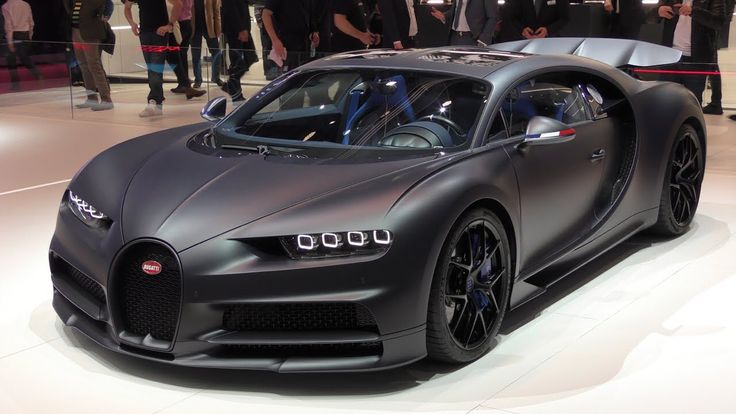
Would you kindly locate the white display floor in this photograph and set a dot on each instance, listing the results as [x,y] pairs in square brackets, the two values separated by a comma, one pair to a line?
[649,328]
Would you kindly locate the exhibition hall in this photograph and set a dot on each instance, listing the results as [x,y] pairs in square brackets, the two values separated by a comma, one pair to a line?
[367,206]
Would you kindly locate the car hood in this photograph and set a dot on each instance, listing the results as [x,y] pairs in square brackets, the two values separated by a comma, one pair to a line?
[184,197]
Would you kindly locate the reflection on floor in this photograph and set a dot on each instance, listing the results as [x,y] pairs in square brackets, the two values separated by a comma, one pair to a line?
[650,327]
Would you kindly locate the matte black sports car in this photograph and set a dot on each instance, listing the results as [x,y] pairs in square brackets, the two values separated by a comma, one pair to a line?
[376,207]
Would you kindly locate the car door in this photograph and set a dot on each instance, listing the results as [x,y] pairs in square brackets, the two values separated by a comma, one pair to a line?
[558,182]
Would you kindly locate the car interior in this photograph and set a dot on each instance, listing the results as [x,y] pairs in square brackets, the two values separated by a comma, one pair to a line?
[373,109]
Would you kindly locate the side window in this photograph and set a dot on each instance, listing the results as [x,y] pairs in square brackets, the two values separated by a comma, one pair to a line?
[544,97]
[498,130]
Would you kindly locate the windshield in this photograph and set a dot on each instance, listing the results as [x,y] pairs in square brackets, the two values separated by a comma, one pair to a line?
[366,109]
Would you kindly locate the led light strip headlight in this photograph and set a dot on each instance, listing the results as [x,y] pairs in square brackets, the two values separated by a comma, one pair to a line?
[323,245]
[85,212]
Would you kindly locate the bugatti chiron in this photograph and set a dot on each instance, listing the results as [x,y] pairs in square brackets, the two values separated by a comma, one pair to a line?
[374,208]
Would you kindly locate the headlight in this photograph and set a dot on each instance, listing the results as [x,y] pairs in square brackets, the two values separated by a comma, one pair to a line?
[85,212]
[320,245]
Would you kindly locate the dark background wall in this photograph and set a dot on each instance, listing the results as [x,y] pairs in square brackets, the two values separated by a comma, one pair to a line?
[49,18]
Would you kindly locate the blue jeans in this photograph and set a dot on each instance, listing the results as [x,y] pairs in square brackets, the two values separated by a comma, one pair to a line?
[154,52]
[214,47]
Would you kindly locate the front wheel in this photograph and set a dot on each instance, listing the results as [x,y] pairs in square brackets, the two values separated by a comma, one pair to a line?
[470,289]
[681,188]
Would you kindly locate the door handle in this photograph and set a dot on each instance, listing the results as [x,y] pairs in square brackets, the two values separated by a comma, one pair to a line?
[598,155]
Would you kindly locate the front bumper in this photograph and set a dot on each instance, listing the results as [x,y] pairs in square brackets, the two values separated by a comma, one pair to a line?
[215,282]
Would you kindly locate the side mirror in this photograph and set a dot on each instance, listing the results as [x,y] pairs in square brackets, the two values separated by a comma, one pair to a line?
[545,131]
[215,110]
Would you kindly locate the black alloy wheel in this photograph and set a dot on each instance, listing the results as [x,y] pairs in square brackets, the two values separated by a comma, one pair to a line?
[681,191]
[470,290]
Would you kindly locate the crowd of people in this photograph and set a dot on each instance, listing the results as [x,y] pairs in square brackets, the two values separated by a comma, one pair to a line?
[293,32]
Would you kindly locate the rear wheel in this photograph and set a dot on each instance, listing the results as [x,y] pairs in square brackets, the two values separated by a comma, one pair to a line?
[470,290]
[681,189]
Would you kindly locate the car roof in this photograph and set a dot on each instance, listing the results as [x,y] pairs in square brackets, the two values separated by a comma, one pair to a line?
[477,62]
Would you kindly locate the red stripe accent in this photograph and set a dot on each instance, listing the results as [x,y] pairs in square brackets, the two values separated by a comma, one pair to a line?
[567,132]
[680,72]
[160,49]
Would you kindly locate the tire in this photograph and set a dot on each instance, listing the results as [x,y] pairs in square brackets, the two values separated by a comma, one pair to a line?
[466,292]
[682,183]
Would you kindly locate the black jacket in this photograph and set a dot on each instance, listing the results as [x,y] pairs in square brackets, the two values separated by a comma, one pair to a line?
[395,21]
[708,18]
[518,14]
[631,11]
[235,17]
[482,16]
[91,26]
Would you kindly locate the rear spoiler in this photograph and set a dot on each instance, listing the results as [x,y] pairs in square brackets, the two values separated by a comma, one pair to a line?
[615,52]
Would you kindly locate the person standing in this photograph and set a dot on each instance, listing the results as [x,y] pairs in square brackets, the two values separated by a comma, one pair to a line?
[692,27]
[533,19]
[292,27]
[236,26]
[350,26]
[625,18]
[472,22]
[176,52]
[715,106]
[399,23]
[269,67]
[153,32]
[185,27]
[207,24]
[88,31]
[18,31]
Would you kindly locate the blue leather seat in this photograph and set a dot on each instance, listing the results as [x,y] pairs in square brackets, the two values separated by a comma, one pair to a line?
[399,98]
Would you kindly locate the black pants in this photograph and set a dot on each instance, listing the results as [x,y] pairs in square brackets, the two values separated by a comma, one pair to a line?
[693,81]
[238,66]
[619,28]
[716,86]
[154,52]
[173,58]
[214,47]
[20,41]
[186,38]
[466,39]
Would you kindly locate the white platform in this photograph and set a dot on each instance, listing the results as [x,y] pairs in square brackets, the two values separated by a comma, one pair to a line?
[649,328]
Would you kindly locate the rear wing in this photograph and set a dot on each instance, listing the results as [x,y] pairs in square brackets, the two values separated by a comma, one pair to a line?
[615,52]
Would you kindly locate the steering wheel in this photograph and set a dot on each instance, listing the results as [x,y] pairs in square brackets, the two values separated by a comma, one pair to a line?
[446,121]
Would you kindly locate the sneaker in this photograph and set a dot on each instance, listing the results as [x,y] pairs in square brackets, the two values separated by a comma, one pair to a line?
[194,93]
[713,109]
[179,89]
[153,109]
[103,106]
[92,100]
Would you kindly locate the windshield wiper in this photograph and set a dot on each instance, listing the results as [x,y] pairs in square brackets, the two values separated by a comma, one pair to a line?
[260,149]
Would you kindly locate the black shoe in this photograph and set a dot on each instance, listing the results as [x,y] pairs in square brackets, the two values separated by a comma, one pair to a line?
[218,82]
[225,88]
[179,89]
[272,74]
[713,109]
[197,85]
[194,93]
[732,117]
